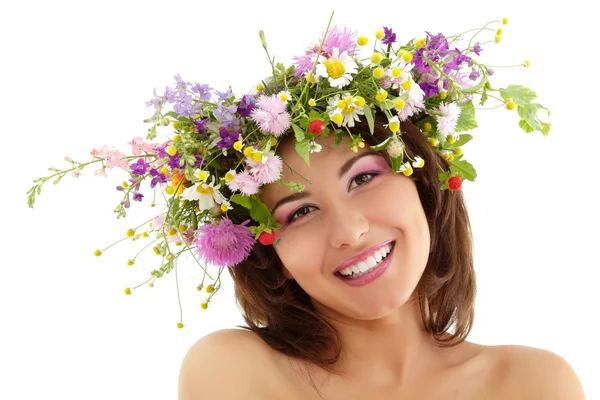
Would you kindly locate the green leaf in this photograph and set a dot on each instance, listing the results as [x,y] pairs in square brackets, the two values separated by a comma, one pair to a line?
[298,132]
[464,168]
[484,97]
[529,113]
[382,145]
[58,179]
[397,162]
[525,126]
[462,140]
[370,120]
[466,120]
[259,212]
[546,129]
[242,200]
[339,135]
[302,150]
[475,88]
[519,94]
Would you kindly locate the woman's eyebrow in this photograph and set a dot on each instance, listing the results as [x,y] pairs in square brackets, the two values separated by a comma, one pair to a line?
[343,170]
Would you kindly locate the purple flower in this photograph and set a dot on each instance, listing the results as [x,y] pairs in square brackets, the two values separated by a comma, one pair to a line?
[246,106]
[225,244]
[474,75]
[435,49]
[158,178]
[224,96]
[183,104]
[455,62]
[203,91]
[389,37]
[477,48]
[136,181]
[180,83]
[156,101]
[137,196]
[139,167]
[226,114]
[430,89]
[227,138]
[200,126]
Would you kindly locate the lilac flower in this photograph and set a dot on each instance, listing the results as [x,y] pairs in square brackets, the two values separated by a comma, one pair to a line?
[180,83]
[137,196]
[477,48]
[389,37]
[271,115]
[474,75]
[203,91]
[246,105]
[183,104]
[224,96]
[268,171]
[226,114]
[170,95]
[157,101]
[125,203]
[158,178]
[225,244]
[139,167]
[227,138]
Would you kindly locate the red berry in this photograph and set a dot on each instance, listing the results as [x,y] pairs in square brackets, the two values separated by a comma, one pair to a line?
[454,183]
[266,238]
[316,127]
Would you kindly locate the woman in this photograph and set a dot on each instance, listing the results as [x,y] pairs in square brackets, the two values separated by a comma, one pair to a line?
[315,334]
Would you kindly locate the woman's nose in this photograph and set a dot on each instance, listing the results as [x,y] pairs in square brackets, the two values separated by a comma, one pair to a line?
[347,226]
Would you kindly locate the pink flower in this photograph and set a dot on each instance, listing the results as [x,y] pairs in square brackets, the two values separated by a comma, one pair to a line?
[224,245]
[115,159]
[245,183]
[267,171]
[270,115]
[100,172]
[76,173]
[138,146]
[344,40]
[101,152]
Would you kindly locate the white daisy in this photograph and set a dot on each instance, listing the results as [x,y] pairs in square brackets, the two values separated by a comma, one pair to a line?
[337,68]
[348,106]
[314,147]
[285,95]
[207,194]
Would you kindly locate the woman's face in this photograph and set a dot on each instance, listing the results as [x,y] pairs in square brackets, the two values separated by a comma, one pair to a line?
[344,215]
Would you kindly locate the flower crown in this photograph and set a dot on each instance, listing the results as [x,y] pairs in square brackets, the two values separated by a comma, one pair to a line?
[223,147]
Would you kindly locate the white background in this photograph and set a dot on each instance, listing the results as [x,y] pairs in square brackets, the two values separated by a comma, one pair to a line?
[76,75]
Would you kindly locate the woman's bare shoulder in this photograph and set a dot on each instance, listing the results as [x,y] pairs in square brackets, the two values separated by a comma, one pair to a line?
[529,372]
[211,362]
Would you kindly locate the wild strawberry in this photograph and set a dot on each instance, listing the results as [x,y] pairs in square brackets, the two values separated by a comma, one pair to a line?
[266,238]
[316,127]
[454,183]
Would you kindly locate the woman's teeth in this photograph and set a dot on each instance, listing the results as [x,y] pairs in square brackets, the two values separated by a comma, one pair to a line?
[371,262]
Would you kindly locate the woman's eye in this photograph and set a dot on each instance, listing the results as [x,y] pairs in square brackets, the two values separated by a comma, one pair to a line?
[298,213]
[363,181]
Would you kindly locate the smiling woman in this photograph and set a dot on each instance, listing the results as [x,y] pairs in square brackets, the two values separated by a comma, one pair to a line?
[393,326]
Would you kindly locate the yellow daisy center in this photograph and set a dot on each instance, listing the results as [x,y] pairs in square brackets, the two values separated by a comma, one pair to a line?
[335,69]
[347,110]
[204,190]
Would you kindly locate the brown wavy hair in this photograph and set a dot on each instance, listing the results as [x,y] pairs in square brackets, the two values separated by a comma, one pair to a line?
[281,313]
